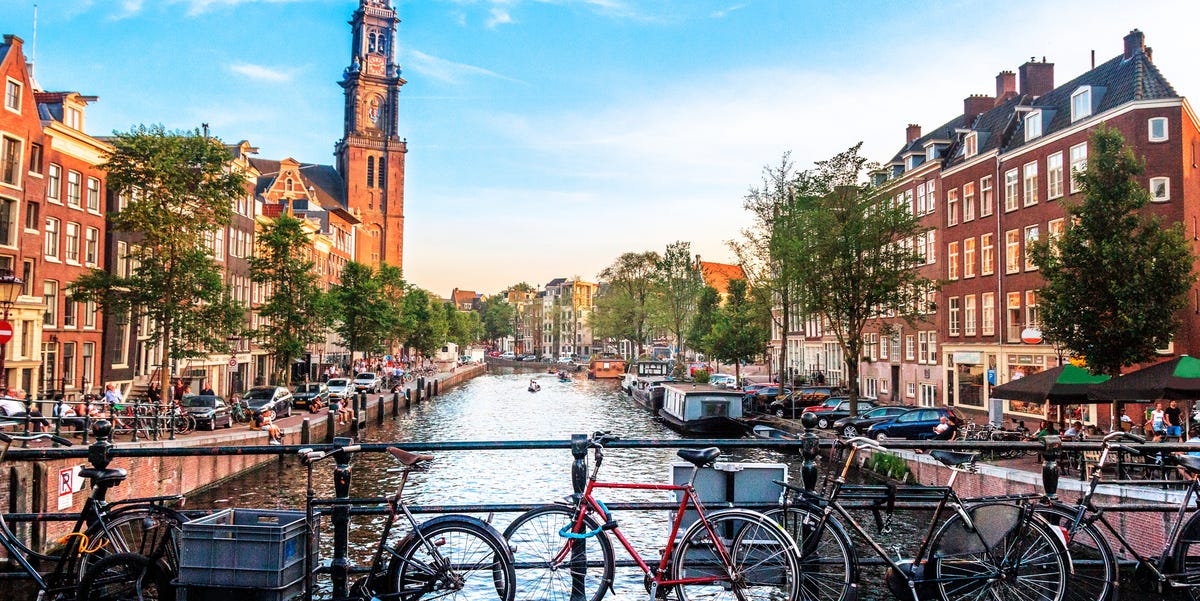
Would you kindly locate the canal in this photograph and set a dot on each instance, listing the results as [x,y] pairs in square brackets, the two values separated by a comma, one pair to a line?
[497,407]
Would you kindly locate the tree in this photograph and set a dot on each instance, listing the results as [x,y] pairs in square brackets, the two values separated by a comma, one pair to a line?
[707,307]
[429,322]
[361,315]
[676,286]
[1116,278]
[392,288]
[497,317]
[180,190]
[294,314]
[462,326]
[740,331]
[622,311]
[846,239]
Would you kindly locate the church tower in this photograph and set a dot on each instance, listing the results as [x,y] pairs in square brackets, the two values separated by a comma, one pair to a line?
[370,156]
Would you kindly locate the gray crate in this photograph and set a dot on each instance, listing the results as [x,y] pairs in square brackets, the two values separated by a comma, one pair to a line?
[730,484]
[246,548]
[229,593]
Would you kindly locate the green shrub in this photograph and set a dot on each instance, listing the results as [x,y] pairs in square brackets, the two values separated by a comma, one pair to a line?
[889,466]
[701,376]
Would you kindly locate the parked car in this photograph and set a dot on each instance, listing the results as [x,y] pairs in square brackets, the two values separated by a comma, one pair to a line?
[761,397]
[511,356]
[803,398]
[722,380]
[564,360]
[850,427]
[338,387]
[306,394]
[275,398]
[210,411]
[914,424]
[837,407]
[368,382]
[529,357]
[494,353]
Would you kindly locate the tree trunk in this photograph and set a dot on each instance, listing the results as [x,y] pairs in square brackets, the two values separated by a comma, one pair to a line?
[164,370]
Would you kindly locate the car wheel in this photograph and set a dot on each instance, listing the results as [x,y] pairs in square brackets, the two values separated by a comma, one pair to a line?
[849,431]
[229,421]
[779,412]
[880,437]
[823,422]
[288,412]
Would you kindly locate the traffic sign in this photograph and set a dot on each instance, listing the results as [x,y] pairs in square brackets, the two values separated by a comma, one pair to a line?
[232,361]
[6,332]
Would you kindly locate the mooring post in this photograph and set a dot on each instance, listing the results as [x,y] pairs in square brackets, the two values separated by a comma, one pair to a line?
[379,411]
[1050,448]
[407,398]
[809,446]
[331,426]
[395,403]
[305,433]
[429,390]
[420,388]
[436,386]
[361,415]
[339,568]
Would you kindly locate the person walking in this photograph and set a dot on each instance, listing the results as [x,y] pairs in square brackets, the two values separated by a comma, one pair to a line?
[1158,422]
[1173,419]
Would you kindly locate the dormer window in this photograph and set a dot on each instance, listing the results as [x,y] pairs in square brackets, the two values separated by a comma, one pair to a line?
[1033,125]
[12,96]
[930,152]
[912,162]
[73,118]
[1081,103]
[971,145]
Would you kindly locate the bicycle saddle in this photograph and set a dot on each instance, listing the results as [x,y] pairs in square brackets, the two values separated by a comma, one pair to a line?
[408,458]
[106,476]
[952,458]
[699,457]
[1190,463]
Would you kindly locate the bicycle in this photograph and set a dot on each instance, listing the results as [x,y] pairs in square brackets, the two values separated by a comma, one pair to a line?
[451,556]
[984,550]
[115,548]
[1097,570]
[563,550]
[241,411]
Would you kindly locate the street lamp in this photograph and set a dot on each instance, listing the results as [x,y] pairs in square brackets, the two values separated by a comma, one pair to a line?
[10,288]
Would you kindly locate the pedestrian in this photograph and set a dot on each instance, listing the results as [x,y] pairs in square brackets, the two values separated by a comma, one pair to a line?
[153,394]
[12,405]
[112,396]
[1173,420]
[207,389]
[1158,423]
[265,420]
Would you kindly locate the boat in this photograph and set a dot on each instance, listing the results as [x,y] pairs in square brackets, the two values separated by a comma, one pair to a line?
[772,433]
[701,409]
[603,368]
[648,392]
[534,387]
[639,369]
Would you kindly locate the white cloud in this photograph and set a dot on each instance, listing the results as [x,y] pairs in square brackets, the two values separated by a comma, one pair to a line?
[261,73]
[447,71]
[724,12]
[499,16]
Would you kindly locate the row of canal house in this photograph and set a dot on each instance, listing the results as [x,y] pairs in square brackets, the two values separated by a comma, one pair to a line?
[988,182]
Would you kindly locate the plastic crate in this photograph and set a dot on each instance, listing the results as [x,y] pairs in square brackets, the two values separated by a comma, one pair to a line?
[244,548]
[230,593]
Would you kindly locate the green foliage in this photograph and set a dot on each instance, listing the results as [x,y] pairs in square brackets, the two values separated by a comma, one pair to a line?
[497,318]
[1116,279]
[622,308]
[738,334]
[705,317]
[429,323]
[677,285]
[701,376]
[361,314]
[294,314]
[463,327]
[890,466]
[180,190]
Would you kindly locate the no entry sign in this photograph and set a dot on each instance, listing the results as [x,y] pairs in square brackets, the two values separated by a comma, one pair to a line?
[6,331]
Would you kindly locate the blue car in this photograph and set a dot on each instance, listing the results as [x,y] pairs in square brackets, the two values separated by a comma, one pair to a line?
[915,424]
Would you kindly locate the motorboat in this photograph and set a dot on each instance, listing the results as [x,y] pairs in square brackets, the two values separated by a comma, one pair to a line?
[701,409]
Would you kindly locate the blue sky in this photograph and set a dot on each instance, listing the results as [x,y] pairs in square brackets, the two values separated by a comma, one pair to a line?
[548,136]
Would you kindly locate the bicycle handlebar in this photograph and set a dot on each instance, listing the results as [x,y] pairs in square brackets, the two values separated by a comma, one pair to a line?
[310,456]
[860,441]
[1117,435]
[5,437]
[601,438]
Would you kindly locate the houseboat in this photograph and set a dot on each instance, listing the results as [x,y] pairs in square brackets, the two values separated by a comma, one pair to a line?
[638,369]
[648,392]
[603,368]
[702,409]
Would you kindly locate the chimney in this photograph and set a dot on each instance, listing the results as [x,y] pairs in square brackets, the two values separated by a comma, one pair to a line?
[1135,41]
[1006,85]
[912,132]
[977,104]
[1149,53]
[1036,78]
[15,42]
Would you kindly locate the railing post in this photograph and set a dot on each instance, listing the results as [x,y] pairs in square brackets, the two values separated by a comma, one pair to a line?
[809,446]
[134,438]
[339,568]
[579,451]
[98,452]
[171,419]
[28,417]
[420,387]
[1050,448]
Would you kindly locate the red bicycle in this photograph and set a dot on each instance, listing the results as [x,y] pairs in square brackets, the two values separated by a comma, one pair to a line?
[563,551]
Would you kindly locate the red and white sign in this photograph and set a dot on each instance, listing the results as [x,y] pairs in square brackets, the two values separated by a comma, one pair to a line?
[233,362]
[1031,336]
[6,331]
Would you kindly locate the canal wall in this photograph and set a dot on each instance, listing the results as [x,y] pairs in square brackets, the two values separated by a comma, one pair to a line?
[34,486]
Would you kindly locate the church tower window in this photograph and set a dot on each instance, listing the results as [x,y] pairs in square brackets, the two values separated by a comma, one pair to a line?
[370,172]
[371,46]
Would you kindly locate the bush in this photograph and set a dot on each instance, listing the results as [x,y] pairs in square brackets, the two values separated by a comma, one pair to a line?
[889,466]
[701,376]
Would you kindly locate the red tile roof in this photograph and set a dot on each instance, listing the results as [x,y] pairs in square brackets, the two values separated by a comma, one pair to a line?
[718,275]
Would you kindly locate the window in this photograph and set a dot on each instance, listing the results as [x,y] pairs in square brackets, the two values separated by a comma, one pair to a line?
[1010,190]
[51,247]
[54,183]
[1033,125]
[1031,183]
[985,196]
[27,272]
[910,349]
[928,399]
[931,190]
[930,153]
[908,200]
[1054,231]
[35,158]
[70,312]
[952,207]
[122,263]
[968,204]
[955,316]
[1014,316]
[1033,316]
[32,216]
[89,315]
[987,249]
[971,145]
[74,188]
[91,251]
[1054,176]
[931,247]
[1012,251]
[87,367]
[68,364]
[1158,129]
[73,242]
[8,219]
[969,315]
[1031,237]
[988,302]
[370,172]
[1160,189]
[1078,154]
[50,297]
[969,258]
[93,194]
[920,199]
[73,118]
[1081,103]
[922,346]
[10,161]
[952,263]
[12,96]
[911,389]
[932,352]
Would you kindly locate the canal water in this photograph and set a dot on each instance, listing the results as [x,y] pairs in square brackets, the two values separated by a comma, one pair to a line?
[497,407]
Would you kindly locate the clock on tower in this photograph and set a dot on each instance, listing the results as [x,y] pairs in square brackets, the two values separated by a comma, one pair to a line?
[375,64]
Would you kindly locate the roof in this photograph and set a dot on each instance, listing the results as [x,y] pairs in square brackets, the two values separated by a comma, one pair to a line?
[462,296]
[718,275]
[942,133]
[325,181]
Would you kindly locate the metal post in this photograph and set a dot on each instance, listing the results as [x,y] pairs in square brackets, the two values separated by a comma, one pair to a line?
[1050,448]
[135,422]
[339,568]
[407,398]
[330,426]
[171,416]
[395,404]
[436,386]
[809,447]
[87,419]
[379,411]
[579,451]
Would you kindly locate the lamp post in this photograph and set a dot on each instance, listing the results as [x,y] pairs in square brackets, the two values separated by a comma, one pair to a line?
[10,287]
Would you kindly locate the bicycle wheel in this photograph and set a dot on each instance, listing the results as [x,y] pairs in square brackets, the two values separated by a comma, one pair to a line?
[751,546]
[1185,559]
[125,577]
[1095,568]
[828,565]
[1007,554]
[464,558]
[147,530]
[550,566]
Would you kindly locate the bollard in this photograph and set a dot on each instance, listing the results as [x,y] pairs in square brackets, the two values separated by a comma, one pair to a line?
[579,450]
[1051,446]
[305,433]
[339,568]
[395,403]
[98,452]
[436,386]
[330,427]
[360,416]
[407,399]
[379,412]
[429,390]
[809,448]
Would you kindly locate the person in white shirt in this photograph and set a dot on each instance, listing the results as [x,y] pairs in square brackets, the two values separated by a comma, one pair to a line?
[112,396]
